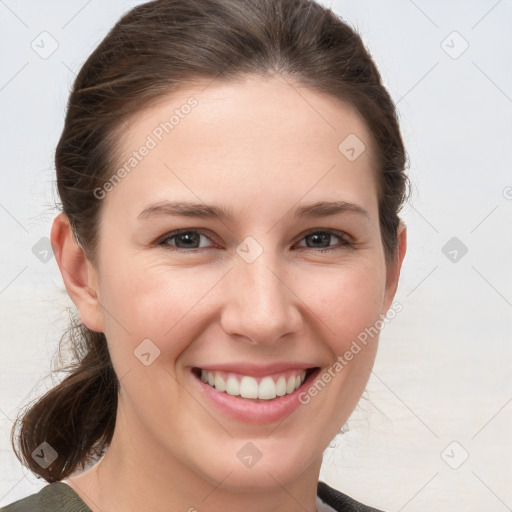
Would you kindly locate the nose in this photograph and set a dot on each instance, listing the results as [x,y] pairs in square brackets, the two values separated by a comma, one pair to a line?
[260,306]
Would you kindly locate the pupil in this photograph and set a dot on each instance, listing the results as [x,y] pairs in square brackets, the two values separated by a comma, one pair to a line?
[192,237]
[323,236]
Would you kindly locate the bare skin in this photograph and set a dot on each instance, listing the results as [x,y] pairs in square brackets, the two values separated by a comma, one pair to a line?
[262,150]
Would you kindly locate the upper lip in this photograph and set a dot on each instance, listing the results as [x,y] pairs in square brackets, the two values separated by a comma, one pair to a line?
[255,370]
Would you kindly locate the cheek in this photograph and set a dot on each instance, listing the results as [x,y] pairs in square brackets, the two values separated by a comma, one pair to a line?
[346,301]
[154,302]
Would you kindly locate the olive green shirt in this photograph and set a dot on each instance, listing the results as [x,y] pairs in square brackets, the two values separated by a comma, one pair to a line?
[51,498]
[60,497]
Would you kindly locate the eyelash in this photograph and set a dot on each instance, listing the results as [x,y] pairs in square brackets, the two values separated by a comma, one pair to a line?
[345,242]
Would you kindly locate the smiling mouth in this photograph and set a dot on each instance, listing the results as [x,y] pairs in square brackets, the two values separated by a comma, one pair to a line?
[255,388]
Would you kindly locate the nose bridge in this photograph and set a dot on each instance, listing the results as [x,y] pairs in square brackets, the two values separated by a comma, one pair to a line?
[261,305]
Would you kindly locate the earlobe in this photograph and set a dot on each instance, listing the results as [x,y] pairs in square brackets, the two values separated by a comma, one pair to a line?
[393,270]
[78,273]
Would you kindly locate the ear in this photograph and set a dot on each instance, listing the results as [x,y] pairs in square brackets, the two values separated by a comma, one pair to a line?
[393,269]
[79,275]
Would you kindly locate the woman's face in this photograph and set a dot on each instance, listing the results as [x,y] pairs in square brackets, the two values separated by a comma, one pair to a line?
[268,290]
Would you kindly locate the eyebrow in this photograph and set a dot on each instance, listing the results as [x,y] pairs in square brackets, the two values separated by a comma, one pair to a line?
[201,210]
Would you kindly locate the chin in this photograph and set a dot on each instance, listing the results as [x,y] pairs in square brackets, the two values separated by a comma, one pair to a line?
[276,469]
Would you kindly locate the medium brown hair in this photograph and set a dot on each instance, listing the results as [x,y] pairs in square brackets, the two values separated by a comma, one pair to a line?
[153,50]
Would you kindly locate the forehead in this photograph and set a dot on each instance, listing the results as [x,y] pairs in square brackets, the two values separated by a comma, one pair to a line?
[265,138]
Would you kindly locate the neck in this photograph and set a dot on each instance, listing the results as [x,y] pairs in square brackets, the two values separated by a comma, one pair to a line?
[136,474]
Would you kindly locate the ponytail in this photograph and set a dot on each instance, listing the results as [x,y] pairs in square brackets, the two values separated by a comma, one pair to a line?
[76,418]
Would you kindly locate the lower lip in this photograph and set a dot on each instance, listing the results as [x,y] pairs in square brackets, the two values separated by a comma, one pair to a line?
[250,410]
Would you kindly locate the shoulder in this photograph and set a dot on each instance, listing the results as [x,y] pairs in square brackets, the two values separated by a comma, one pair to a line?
[60,497]
[341,502]
[51,498]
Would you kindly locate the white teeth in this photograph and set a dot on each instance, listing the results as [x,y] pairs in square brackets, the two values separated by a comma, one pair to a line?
[219,382]
[267,388]
[281,386]
[248,386]
[290,385]
[232,386]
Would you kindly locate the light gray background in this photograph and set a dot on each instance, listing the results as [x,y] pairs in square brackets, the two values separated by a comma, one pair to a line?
[441,387]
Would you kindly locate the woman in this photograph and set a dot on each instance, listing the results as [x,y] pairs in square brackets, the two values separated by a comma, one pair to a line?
[208,148]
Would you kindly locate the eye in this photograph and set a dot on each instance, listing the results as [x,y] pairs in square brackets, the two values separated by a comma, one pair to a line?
[324,236]
[189,240]
[185,240]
